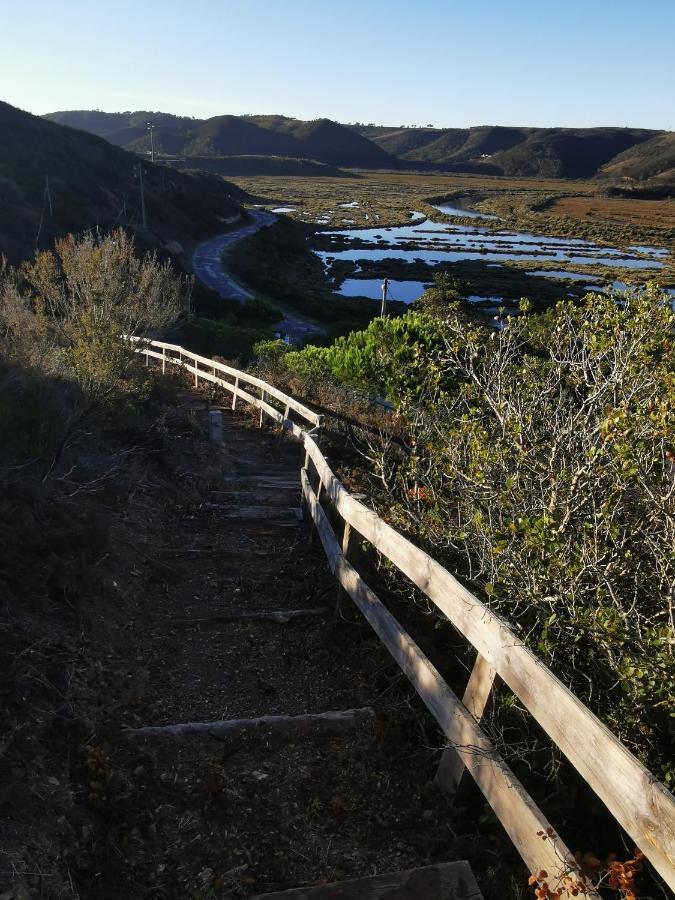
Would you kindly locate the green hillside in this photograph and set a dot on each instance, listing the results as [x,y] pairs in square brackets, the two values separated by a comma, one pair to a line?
[322,140]
[613,153]
[252,164]
[550,152]
[55,180]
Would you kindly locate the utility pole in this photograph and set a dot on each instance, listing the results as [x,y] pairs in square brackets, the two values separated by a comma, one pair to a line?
[151,129]
[48,194]
[140,181]
[385,287]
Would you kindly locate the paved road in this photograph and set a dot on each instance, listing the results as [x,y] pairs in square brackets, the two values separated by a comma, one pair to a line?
[208,267]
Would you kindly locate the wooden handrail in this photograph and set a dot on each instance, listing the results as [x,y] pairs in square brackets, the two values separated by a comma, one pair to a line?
[643,806]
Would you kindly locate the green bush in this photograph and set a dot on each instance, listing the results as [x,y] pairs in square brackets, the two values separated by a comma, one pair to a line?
[386,358]
[210,337]
[541,469]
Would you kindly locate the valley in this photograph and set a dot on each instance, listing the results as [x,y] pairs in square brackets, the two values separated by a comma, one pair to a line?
[499,239]
[337,451]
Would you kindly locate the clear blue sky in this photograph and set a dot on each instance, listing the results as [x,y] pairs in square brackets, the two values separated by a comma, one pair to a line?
[551,62]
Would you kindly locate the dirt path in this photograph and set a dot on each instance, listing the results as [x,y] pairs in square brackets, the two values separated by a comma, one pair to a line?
[244,814]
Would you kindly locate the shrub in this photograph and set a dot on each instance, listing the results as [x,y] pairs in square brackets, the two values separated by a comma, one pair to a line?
[539,465]
[68,308]
[545,477]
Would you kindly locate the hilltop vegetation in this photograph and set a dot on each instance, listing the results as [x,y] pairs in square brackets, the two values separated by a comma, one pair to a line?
[542,152]
[321,140]
[488,150]
[242,166]
[652,162]
[55,180]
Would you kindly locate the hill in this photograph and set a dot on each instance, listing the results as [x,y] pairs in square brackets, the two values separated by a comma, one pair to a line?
[322,140]
[55,179]
[550,152]
[329,142]
[258,165]
[487,149]
[651,163]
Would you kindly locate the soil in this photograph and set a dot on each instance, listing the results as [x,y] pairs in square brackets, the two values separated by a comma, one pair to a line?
[100,640]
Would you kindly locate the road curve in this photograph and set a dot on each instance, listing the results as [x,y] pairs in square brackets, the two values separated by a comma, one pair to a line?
[207,258]
[208,267]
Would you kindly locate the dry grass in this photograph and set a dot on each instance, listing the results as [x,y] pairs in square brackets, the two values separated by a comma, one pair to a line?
[653,213]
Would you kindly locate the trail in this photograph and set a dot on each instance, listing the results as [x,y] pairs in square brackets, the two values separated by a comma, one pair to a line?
[236,815]
[208,267]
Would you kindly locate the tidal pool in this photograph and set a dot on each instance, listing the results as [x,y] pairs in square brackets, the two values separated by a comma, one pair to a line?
[405,291]
[449,210]
[435,242]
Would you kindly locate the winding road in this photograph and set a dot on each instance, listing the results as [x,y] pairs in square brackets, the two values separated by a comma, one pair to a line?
[208,267]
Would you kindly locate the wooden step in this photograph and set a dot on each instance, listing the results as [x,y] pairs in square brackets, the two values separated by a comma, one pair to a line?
[257,512]
[258,496]
[443,881]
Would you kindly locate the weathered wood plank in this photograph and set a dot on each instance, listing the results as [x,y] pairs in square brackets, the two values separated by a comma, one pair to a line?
[443,881]
[512,805]
[257,512]
[637,800]
[476,695]
[332,721]
[271,496]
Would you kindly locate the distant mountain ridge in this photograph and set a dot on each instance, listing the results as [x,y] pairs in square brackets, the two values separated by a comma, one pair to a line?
[321,140]
[547,152]
[633,154]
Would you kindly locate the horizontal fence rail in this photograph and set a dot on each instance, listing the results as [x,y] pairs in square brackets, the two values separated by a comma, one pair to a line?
[638,801]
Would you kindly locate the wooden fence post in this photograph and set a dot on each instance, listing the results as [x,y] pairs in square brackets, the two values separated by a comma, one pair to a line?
[480,684]
[312,529]
[163,360]
[262,413]
[234,393]
[347,547]
[216,426]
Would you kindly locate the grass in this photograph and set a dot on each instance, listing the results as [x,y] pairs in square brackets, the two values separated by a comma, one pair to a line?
[544,206]
[658,214]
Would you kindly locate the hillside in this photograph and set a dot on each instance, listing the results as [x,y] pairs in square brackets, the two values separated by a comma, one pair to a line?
[329,142]
[613,153]
[322,140]
[55,179]
[549,152]
[652,161]
[251,164]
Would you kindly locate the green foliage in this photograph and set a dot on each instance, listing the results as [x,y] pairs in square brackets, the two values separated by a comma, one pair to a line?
[278,262]
[271,352]
[386,358]
[262,310]
[210,337]
[541,468]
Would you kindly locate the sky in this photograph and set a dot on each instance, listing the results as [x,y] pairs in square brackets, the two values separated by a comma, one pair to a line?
[394,62]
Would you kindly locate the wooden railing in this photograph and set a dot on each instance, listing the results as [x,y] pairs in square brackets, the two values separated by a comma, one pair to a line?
[638,801]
